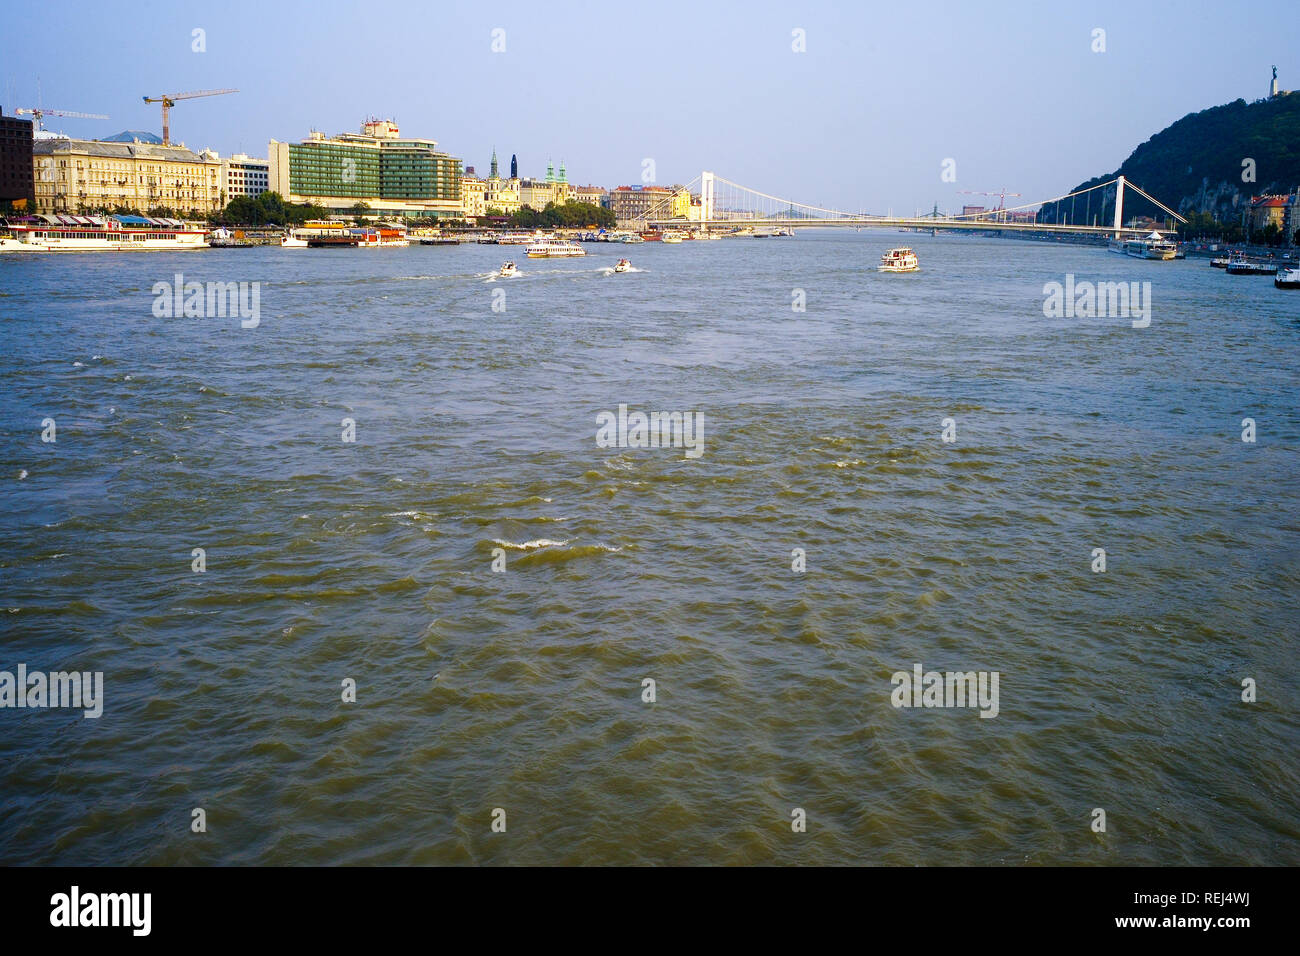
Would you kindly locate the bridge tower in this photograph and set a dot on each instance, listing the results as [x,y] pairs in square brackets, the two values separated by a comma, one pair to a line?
[1119,205]
[706,196]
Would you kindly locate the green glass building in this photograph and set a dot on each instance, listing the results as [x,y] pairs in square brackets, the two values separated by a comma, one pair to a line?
[395,177]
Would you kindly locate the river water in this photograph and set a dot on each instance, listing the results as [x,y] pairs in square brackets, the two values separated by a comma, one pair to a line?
[474,404]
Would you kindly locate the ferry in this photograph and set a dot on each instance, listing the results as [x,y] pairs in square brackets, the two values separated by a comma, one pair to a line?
[901,259]
[554,249]
[622,266]
[58,232]
[1241,265]
[507,270]
[672,237]
[515,239]
[290,241]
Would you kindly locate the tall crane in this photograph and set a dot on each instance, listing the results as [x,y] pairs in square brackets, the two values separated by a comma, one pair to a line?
[1002,196]
[168,100]
[41,113]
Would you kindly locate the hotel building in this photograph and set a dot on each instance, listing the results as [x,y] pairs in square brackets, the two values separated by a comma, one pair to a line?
[394,176]
[82,176]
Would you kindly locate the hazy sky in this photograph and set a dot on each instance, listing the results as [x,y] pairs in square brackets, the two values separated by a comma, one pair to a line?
[862,120]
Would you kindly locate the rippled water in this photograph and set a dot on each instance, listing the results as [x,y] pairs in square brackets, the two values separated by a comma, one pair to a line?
[522,690]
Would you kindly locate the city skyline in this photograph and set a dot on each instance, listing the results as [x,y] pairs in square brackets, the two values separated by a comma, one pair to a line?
[864,118]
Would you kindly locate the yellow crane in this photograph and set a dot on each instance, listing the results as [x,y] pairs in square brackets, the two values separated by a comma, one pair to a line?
[41,113]
[168,100]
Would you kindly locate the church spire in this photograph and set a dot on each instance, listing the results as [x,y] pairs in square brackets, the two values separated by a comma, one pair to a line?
[494,163]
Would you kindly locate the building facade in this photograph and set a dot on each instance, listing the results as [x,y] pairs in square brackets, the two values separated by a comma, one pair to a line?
[244,176]
[591,195]
[392,175]
[633,203]
[86,176]
[17,182]
[473,195]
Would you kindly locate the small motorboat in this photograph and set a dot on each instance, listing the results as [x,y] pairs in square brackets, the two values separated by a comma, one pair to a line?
[901,259]
[1287,279]
[290,241]
[623,266]
[507,270]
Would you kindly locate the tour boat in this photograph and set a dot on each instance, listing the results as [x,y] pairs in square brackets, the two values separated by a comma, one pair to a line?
[515,239]
[1219,262]
[901,259]
[1287,279]
[507,270]
[290,241]
[58,232]
[623,266]
[1154,246]
[1240,265]
[554,249]
[671,237]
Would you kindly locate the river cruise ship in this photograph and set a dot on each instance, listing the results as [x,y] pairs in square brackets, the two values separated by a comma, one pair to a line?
[59,232]
[554,249]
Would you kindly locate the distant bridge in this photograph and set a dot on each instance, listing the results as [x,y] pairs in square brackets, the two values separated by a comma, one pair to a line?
[736,206]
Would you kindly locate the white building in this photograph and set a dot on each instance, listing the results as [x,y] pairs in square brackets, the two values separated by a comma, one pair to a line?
[243,175]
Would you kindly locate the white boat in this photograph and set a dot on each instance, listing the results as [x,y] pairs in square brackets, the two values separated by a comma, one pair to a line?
[902,259]
[1287,279]
[622,266]
[554,249]
[290,241]
[1154,246]
[515,239]
[58,232]
[671,237]
[507,270]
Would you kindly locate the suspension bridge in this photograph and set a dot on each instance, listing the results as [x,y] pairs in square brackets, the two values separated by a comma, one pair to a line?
[725,206]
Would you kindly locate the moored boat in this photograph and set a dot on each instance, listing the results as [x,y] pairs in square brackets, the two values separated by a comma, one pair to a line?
[290,241]
[901,259]
[58,232]
[1240,265]
[1287,279]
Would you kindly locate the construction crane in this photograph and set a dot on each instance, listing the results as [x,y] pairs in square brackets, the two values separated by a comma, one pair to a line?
[40,114]
[168,100]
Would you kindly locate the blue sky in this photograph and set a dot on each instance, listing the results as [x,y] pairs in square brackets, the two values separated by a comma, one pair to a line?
[862,120]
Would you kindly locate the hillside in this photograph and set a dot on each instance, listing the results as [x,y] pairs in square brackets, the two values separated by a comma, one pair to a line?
[1195,165]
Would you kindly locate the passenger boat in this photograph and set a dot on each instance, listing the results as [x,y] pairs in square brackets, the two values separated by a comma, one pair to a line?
[1287,279]
[554,249]
[622,266]
[1219,262]
[901,259]
[57,232]
[515,239]
[439,241]
[671,237]
[507,270]
[290,241]
[1154,246]
[1240,265]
